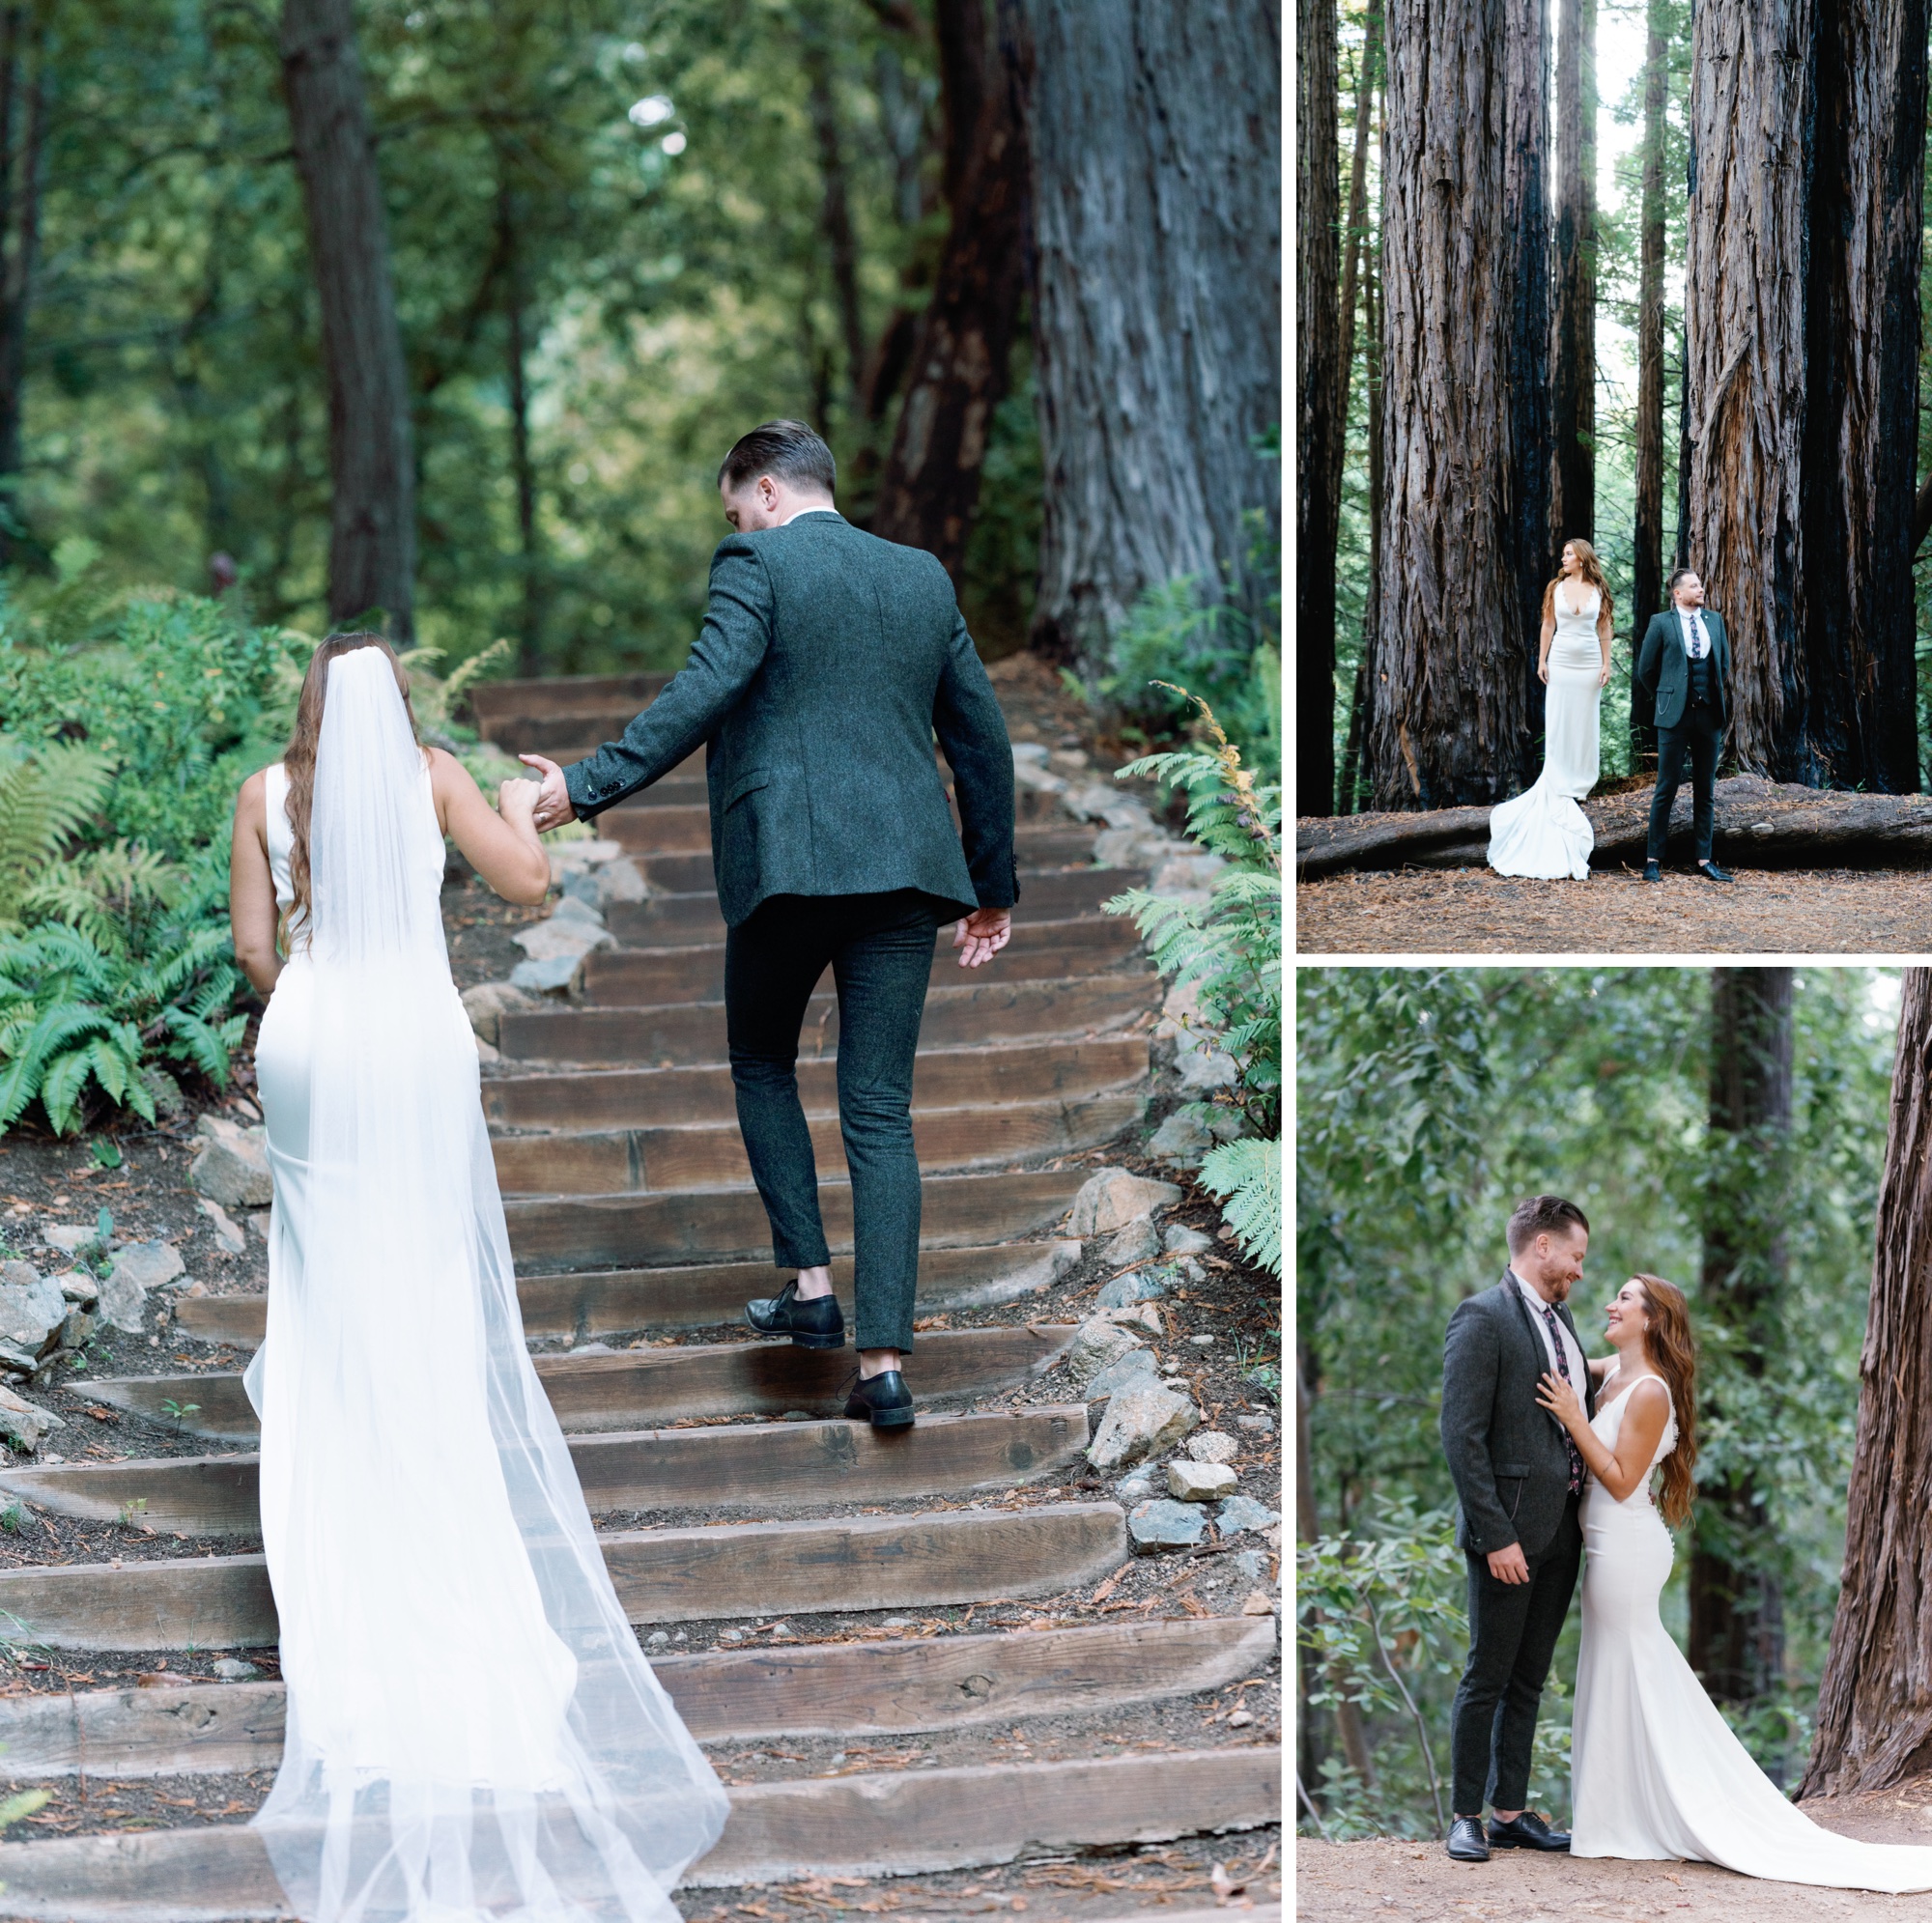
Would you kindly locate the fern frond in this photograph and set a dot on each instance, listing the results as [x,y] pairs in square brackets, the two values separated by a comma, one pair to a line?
[1246,1176]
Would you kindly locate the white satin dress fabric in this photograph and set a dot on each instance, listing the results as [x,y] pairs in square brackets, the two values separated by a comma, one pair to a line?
[1655,1772]
[1542,832]
[473,1730]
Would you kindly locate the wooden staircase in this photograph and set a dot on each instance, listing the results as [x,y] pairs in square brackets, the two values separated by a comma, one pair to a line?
[632,1215]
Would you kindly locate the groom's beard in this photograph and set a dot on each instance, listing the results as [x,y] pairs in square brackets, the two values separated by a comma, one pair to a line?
[1559,1286]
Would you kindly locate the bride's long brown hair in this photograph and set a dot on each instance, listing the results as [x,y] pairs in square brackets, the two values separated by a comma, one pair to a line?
[298,759]
[1669,1350]
[1589,569]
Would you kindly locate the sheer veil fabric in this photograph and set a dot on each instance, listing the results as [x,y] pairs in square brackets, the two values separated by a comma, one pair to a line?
[473,1730]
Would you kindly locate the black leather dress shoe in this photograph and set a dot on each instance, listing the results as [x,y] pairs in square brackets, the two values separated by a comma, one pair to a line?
[1527,1831]
[1651,872]
[1467,1843]
[819,1324]
[1710,873]
[883,1401]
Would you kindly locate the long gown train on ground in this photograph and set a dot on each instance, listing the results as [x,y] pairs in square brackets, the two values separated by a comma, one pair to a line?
[1656,1771]
[473,1730]
[1542,832]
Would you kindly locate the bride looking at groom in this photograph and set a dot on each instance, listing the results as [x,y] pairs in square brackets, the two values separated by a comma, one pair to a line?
[1656,1771]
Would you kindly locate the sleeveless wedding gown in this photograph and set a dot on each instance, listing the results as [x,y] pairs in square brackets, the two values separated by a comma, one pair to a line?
[1542,832]
[473,1730]
[1656,1771]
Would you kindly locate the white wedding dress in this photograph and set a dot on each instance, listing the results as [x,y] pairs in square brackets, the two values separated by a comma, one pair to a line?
[1542,832]
[1655,1770]
[473,1730]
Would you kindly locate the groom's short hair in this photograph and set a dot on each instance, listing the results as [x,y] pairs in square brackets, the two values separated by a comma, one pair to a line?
[788,449]
[1543,1214]
[1676,574]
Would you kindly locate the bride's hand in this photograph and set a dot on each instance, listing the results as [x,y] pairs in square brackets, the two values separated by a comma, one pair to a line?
[1542,671]
[1603,679]
[1557,1397]
[516,801]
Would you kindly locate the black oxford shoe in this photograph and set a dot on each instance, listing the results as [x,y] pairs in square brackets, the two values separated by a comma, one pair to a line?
[1652,872]
[883,1401]
[819,1324]
[1465,1839]
[1710,873]
[1527,1831]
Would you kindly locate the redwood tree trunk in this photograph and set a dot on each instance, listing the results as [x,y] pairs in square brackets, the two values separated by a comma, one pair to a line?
[1155,140]
[1736,1624]
[1801,306]
[1875,1702]
[23,120]
[1321,383]
[930,486]
[1465,412]
[1573,494]
[1647,546]
[372,535]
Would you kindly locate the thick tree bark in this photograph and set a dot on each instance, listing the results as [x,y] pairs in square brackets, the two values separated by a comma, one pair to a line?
[1875,1702]
[1737,1618]
[1802,278]
[1647,545]
[1321,386]
[372,536]
[1154,132]
[930,486]
[1573,492]
[1466,336]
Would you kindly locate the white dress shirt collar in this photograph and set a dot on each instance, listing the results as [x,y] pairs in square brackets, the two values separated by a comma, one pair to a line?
[799,513]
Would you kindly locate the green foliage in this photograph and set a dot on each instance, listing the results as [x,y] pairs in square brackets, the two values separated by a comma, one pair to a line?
[46,793]
[1247,1176]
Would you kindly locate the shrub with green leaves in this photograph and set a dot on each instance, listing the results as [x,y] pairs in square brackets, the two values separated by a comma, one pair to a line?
[1231,946]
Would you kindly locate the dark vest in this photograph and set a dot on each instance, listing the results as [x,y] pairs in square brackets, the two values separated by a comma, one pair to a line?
[1699,693]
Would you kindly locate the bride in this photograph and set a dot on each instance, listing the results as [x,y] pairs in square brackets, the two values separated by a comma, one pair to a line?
[1656,1771]
[473,1730]
[1542,833]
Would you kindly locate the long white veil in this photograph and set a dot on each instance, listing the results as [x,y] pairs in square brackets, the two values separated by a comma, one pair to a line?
[473,1730]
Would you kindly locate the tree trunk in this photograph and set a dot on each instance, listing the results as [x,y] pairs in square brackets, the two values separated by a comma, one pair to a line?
[1154,132]
[1875,1702]
[930,486]
[842,245]
[1361,702]
[23,92]
[516,298]
[1737,1621]
[1802,318]
[1573,492]
[1647,556]
[1465,469]
[372,534]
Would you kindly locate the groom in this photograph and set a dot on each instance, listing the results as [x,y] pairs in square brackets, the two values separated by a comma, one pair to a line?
[1686,663]
[827,663]
[1518,1483]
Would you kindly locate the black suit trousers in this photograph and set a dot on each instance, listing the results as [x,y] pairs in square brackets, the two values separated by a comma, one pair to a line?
[1699,733]
[1512,1633]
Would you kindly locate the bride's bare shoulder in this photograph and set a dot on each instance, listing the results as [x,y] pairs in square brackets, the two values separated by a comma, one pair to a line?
[251,799]
[1648,1392]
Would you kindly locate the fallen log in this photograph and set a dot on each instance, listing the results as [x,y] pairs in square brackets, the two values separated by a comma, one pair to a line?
[1760,824]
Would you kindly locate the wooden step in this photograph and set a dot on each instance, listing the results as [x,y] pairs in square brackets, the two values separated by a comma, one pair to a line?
[1040,951]
[661,1575]
[943,1078]
[502,705]
[729,1225]
[678,921]
[706,1155]
[867,1826]
[805,1689]
[965,1014]
[637,1388]
[1041,846]
[627,1301]
[739,1465]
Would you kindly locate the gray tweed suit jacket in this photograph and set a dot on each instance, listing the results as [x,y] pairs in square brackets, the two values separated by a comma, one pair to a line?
[827,663]
[1505,1451]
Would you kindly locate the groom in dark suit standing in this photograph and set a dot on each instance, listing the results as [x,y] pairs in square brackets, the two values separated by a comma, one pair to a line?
[1519,1483]
[1685,661]
[827,661]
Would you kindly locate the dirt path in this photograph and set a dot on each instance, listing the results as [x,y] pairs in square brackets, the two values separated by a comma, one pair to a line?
[1393,1876]
[1466,911]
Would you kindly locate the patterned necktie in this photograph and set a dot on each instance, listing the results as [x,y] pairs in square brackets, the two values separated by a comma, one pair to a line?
[1697,642]
[1563,1370]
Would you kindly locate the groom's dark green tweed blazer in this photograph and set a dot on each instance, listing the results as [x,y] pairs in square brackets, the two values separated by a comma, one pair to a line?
[828,660]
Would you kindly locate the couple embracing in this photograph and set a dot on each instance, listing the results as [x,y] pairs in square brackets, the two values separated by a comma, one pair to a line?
[1684,666]
[1553,1457]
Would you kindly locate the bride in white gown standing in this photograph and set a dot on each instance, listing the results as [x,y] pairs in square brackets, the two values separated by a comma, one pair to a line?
[473,1730]
[1541,832]
[1655,1770]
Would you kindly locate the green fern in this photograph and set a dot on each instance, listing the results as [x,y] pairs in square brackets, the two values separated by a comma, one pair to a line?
[47,793]
[1247,1175]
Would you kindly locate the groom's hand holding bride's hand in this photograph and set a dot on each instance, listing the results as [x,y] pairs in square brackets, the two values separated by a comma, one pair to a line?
[553,806]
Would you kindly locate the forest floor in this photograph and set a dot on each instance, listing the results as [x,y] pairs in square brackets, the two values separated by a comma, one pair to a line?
[1475,910]
[1399,1876]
